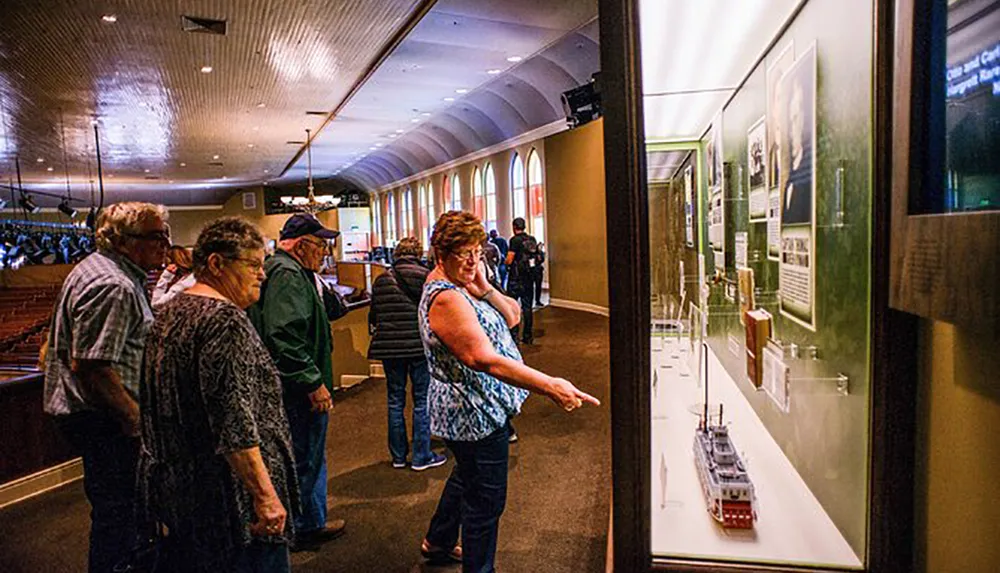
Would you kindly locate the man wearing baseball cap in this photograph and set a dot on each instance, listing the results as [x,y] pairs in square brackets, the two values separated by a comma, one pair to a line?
[292,321]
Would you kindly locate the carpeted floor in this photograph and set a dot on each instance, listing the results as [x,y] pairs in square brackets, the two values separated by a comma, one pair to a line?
[559,489]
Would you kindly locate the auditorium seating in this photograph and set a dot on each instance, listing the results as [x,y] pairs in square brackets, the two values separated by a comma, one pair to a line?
[24,320]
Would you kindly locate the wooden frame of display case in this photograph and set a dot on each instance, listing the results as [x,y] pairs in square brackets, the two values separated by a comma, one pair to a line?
[893,345]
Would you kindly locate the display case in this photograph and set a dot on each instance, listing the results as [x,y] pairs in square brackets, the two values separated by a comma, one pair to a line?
[755,361]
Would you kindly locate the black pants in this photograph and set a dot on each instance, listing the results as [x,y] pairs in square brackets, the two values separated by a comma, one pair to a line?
[536,279]
[523,292]
[474,498]
[110,464]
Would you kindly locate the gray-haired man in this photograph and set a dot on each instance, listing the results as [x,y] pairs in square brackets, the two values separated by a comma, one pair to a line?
[96,343]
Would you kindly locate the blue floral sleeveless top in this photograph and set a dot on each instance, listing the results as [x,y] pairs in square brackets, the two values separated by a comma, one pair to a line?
[466,405]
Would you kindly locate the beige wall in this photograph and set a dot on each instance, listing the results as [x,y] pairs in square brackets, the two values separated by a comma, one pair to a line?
[957,465]
[186,224]
[577,238]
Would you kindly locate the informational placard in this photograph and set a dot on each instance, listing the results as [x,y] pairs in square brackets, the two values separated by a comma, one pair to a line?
[773,224]
[775,376]
[716,196]
[690,202]
[741,243]
[797,265]
[757,171]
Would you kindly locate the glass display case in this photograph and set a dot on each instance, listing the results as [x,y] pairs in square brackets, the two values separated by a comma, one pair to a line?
[755,434]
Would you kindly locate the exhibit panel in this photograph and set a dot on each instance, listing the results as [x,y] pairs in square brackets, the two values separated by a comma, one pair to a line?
[760,289]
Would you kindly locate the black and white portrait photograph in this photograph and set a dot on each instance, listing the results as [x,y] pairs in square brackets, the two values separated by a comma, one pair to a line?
[775,104]
[799,141]
[756,160]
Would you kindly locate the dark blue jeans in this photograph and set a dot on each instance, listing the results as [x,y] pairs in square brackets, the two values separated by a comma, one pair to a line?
[396,371]
[261,557]
[473,499]
[110,462]
[308,431]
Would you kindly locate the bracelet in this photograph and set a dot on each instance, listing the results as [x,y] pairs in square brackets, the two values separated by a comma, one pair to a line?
[488,294]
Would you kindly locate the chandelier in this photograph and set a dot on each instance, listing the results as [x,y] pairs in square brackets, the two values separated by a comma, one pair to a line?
[310,203]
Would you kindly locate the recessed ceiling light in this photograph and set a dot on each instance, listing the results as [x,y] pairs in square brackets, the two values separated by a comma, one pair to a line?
[40,160]
[184,164]
[461,91]
[49,169]
[206,69]
[514,59]
[415,120]
[399,131]
[426,114]
[250,145]
[109,18]
[215,157]
[493,72]
[392,136]
[378,145]
[145,170]
[371,148]
[267,171]
[449,99]
[262,105]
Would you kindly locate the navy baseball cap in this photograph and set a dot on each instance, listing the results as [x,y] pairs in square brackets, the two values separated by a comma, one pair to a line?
[302,224]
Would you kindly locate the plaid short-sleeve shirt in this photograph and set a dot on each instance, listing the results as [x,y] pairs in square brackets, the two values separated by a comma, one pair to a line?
[101,313]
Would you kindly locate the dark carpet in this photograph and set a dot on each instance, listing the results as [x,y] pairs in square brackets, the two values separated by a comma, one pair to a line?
[559,488]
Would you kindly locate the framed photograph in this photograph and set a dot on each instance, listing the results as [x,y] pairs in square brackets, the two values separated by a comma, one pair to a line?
[797,264]
[775,102]
[757,171]
[690,206]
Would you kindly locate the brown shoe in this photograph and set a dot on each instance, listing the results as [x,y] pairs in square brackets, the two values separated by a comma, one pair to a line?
[334,529]
[439,555]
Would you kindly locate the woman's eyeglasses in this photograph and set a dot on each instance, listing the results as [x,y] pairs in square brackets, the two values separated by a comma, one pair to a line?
[254,265]
[157,236]
[469,255]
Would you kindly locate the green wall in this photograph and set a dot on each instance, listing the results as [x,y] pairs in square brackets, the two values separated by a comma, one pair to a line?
[825,435]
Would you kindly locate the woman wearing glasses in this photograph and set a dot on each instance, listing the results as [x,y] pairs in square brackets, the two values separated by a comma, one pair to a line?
[217,467]
[478,383]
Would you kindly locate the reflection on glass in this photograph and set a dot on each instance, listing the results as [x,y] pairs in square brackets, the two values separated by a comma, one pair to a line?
[972,108]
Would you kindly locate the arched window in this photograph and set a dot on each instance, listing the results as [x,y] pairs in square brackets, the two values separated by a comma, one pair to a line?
[431,215]
[390,213]
[456,193]
[490,181]
[407,212]
[478,199]
[422,215]
[446,193]
[536,191]
[517,197]
[377,221]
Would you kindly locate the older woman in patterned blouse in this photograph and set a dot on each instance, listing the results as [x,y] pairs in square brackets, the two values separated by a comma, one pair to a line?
[217,467]
[478,382]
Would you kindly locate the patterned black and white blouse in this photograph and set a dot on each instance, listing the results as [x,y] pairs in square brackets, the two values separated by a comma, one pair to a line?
[210,388]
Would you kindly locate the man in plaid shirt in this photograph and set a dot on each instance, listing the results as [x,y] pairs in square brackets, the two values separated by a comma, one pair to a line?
[96,342]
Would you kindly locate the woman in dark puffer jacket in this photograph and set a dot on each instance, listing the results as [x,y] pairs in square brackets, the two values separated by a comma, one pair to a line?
[396,342]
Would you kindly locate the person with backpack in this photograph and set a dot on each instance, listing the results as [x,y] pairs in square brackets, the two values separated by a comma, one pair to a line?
[538,272]
[396,342]
[522,258]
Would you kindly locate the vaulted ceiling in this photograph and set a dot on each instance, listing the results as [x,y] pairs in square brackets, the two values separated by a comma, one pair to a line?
[173,131]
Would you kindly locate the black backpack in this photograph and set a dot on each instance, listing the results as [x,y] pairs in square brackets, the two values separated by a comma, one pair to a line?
[530,256]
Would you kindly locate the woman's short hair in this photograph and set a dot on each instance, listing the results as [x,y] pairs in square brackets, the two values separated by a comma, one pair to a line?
[180,256]
[407,247]
[228,237]
[454,230]
[116,222]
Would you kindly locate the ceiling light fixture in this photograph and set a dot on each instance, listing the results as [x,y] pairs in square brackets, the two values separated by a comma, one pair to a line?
[372,148]
[40,160]
[426,114]
[493,72]
[28,205]
[109,18]
[250,145]
[261,105]
[415,120]
[206,69]
[256,128]
[461,91]
[50,169]
[392,136]
[184,164]
[65,209]
[514,59]
[145,170]
[215,157]
[449,99]
[399,131]
[378,145]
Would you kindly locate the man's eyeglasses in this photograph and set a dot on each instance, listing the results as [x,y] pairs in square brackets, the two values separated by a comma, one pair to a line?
[157,236]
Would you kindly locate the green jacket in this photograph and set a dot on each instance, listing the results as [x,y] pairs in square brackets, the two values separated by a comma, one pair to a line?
[292,322]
